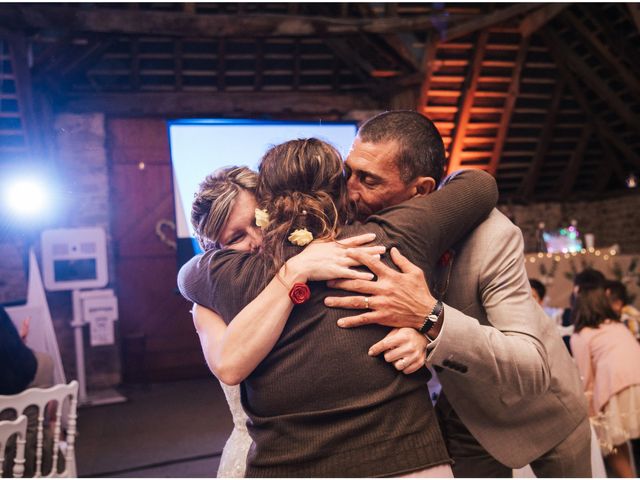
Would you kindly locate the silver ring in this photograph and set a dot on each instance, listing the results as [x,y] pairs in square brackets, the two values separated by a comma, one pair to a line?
[366,303]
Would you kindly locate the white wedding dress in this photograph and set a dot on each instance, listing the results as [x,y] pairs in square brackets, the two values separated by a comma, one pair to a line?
[233,460]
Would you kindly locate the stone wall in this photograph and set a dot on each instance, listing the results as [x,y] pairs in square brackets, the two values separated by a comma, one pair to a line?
[81,159]
[612,221]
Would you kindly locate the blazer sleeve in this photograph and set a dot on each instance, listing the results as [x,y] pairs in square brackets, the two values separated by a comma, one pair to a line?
[507,354]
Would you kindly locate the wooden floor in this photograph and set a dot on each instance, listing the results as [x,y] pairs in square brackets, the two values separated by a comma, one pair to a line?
[173,429]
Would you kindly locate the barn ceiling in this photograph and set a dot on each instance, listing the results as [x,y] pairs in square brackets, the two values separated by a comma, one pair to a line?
[544,96]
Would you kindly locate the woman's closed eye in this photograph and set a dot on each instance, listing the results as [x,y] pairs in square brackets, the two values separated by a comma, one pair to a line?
[236,238]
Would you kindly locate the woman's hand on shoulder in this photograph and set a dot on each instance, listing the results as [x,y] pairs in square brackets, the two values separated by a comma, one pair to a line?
[327,260]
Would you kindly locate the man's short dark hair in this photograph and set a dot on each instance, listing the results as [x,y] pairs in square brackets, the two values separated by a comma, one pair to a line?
[421,150]
[617,291]
[539,287]
[589,279]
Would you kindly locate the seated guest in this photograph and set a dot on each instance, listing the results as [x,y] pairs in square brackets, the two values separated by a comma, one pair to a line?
[629,315]
[607,356]
[20,367]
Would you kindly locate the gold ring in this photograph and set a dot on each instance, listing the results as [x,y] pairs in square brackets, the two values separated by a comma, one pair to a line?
[366,303]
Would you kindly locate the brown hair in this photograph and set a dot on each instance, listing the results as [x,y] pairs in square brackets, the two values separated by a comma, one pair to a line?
[301,185]
[214,200]
[591,308]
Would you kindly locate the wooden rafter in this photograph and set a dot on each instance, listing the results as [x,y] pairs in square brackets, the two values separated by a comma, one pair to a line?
[486,21]
[466,102]
[509,103]
[104,20]
[635,14]
[603,53]
[537,19]
[611,165]
[604,132]
[568,179]
[361,67]
[393,40]
[616,40]
[177,62]
[592,79]
[22,78]
[531,178]
[427,69]
[197,103]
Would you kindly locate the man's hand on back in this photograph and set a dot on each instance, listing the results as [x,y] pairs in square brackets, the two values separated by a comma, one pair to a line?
[395,299]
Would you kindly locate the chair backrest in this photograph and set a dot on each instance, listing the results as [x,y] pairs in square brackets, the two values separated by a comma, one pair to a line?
[8,428]
[66,398]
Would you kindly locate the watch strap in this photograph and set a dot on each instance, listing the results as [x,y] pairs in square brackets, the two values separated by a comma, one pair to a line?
[431,319]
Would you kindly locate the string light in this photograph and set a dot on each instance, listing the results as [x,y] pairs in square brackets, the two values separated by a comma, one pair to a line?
[606,255]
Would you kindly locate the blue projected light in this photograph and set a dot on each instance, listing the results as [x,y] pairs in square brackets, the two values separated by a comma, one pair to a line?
[201,146]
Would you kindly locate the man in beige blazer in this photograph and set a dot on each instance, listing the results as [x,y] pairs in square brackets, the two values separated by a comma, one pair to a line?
[511,392]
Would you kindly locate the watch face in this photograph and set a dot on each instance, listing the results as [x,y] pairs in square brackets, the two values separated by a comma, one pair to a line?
[433,318]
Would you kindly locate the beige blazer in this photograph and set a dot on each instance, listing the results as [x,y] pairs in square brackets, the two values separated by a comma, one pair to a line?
[504,368]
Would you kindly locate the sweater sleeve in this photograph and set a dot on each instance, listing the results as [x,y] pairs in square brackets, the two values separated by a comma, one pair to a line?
[425,226]
[18,363]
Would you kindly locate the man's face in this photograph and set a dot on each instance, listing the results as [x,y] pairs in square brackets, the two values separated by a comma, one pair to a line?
[373,177]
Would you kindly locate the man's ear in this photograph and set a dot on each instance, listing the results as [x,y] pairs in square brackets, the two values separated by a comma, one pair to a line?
[424,185]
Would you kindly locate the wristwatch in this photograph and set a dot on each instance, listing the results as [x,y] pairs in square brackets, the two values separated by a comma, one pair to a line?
[431,319]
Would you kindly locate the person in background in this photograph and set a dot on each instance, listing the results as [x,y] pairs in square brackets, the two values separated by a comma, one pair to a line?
[607,356]
[619,298]
[538,290]
[20,367]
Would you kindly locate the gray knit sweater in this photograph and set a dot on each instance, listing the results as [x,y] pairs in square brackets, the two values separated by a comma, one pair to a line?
[318,405]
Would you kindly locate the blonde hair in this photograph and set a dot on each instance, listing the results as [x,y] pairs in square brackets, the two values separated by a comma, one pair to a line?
[301,185]
[214,200]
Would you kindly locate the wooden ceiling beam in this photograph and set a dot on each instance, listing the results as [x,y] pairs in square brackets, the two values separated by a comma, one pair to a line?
[393,40]
[568,179]
[481,22]
[592,79]
[634,9]
[603,53]
[428,67]
[529,181]
[539,18]
[509,104]
[614,38]
[208,103]
[604,132]
[105,20]
[466,102]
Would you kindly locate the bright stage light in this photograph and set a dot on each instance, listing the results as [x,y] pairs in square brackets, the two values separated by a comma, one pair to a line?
[28,197]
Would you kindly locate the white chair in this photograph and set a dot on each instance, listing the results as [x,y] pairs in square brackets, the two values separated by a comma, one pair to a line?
[66,405]
[9,428]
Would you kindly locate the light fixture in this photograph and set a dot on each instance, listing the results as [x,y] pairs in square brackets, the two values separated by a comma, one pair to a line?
[27,196]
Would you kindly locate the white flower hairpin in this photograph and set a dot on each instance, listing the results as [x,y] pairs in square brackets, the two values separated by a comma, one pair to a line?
[301,237]
[262,218]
